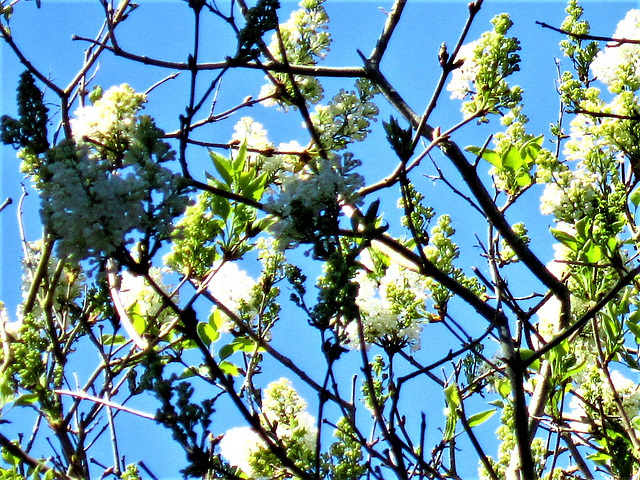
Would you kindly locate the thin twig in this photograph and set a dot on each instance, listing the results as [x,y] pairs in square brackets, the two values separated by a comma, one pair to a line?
[104,402]
[6,203]
[586,36]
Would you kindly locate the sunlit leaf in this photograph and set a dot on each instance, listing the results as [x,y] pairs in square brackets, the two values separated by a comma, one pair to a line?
[481,417]
[207,333]
[26,399]
[489,155]
[111,340]
[222,166]
[229,369]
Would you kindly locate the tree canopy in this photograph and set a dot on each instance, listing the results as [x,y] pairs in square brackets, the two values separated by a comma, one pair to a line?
[257,250]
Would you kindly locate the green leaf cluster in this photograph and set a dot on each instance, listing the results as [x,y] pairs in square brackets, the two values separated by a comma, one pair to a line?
[29,131]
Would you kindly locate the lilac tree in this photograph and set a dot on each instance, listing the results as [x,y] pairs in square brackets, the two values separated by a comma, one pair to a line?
[177,264]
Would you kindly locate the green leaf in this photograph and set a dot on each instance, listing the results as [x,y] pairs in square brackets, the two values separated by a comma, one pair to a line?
[240,161]
[216,319]
[583,227]
[112,340]
[221,206]
[574,370]
[255,188]
[523,179]
[565,238]
[452,396]
[635,197]
[529,151]
[487,154]
[480,418]
[96,94]
[240,344]
[513,160]
[592,252]
[503,387]
[26,399]
[222,166]
[244,181]
[138,321]
[207,333]
[525,354]
[229,369]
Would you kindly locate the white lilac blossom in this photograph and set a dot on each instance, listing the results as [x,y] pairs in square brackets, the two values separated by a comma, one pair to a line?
[239,445]
[597,393]
[483,66]
[572,197]
[252,132]
[618,65]
[392,309]
[463,77]
[110,121]
[347,118]
[288,158]
[306,40]
[286,411]
[233,288]
[607,136]
[306,196]
[138,297]
[76,185]
[285,417]
[98,191]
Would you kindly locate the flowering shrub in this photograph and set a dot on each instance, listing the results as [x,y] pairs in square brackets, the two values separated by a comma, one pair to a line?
[202,272]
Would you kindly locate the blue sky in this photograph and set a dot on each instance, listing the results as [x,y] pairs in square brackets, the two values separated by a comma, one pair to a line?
[162,29]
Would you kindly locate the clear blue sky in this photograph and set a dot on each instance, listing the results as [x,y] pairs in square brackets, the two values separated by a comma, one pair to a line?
[162,29]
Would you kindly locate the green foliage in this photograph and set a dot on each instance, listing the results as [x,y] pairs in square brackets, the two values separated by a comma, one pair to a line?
[580,52]
[401,139]
[29,131]
[541,345]
[259,19]
[216,227]
[345,460]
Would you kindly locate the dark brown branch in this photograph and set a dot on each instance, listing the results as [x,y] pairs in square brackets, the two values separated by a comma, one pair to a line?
[279,67]
[383,41]
[6,203]
[586,36]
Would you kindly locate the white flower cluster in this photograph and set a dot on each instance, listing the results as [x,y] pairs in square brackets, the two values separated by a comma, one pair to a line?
[596,391]
[392,310]
[306,40]
[240,446]
[110,121]
[482,69]
[619,64]
[463,78]
[346,118]
[252,132]
[89,207]
[572,197]
[253,135]
[138,297]
[285,416]
[233,288]
[96,195]
[288,159]
[306,196]
[607,137]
